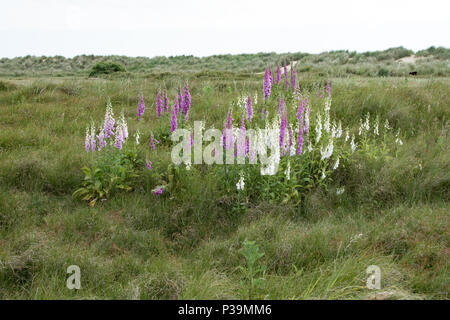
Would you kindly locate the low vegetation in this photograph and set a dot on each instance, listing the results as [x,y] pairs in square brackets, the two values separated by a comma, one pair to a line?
[140,227]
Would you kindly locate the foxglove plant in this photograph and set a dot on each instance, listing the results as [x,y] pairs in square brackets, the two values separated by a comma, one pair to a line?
[281,105]
[92,136]
[174,118]
[293,77]
[152,141]
[286,76]
[141,108]
[186,102]
[87,141]
[109,122]
[158,104]
[249,109]
[283,126]
[267,84]
[278,74]
[101,140]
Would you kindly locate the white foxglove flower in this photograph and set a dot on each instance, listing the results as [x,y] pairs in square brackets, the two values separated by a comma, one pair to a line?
[137,135]
[353,144]
[340,191]
[325,154]
[318,128]
[375,128]
[339,130]
[336,165]
[287,172]
[241,184]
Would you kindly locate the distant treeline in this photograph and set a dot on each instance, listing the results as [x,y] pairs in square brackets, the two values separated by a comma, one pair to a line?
[432,61]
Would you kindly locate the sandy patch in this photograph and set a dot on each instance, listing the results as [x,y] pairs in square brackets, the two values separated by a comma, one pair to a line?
[409,59]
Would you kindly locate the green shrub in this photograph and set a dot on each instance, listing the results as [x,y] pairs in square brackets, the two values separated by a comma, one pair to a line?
[102,68]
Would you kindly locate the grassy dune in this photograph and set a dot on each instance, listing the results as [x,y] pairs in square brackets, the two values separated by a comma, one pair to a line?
[393,214]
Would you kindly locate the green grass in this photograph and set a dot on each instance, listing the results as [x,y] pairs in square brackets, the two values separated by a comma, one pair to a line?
[394,212]
[431,62]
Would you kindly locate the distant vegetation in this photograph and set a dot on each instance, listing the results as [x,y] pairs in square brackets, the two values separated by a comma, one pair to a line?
[102,68]
[432,61]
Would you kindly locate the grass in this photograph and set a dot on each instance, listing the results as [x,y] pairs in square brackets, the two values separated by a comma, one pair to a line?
[431,62]
[394,212]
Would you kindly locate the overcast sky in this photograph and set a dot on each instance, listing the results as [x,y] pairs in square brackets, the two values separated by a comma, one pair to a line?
[206,27]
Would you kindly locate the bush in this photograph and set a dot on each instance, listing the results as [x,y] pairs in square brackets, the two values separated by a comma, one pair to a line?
[106,68]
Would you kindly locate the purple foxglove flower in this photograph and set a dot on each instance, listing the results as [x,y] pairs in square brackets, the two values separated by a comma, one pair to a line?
[278,74]
[293,78]
[152,142]
[87,141]
[249,109]
[158,104]
[149,165]
[158,191]
[328,89]
[228,138]
[300,140]
[141,108]
[101,140]
[229,119]
[286,76]
[301,109]
[174,119]
[109,122]
[281,105]
[93,143]
[267,84]
[240,148]
[291,135]
[283,126]
[186,97]
[119,140]
[181,106]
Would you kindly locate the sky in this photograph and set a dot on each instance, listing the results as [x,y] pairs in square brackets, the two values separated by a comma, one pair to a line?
[206,27]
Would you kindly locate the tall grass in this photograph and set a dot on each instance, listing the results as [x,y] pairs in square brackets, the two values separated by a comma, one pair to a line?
[393,213]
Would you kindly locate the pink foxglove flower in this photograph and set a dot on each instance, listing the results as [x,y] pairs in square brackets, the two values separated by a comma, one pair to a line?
[293,78]
[174,118]
[152,141]
[286,76]
[249,109]
[87,141]
[281,105]
[300,112]
[186,98]
[93,141]
[158,104]
[278,74]
[141,108]
[149,165]
[158,191]
[267,84]
[101,140]
[283,126]
[109,122]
